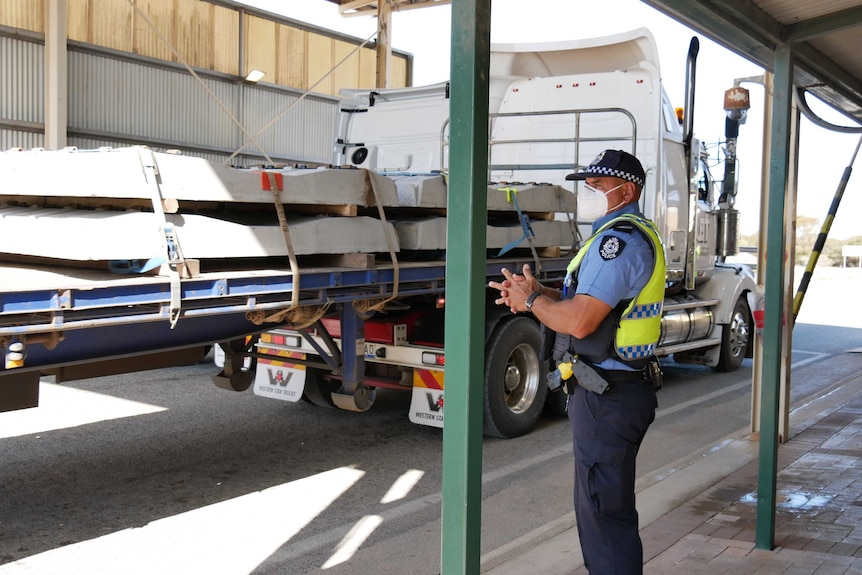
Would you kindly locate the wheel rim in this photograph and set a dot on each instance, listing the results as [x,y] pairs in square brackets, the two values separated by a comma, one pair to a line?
[738,335]
[521,380]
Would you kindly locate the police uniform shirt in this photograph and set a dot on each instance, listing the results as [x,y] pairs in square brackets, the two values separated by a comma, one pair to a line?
[617,267]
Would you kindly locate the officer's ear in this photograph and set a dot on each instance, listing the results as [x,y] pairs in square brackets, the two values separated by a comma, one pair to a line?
[630,192]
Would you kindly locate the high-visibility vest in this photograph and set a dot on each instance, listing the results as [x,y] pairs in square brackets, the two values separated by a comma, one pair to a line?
[639,320]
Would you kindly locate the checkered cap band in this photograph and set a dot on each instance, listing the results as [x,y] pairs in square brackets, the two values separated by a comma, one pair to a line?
[600,171]
[613,164]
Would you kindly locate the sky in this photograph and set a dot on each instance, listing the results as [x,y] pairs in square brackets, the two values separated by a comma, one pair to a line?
[425,33]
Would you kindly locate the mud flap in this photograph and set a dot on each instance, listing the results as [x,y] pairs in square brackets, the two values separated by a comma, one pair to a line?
[426,406]
[280,379]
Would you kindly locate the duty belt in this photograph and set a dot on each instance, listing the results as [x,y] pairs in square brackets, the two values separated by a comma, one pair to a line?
[571,370]
[623,375]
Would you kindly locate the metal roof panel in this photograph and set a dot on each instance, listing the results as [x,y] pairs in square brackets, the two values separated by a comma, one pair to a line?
[826,38]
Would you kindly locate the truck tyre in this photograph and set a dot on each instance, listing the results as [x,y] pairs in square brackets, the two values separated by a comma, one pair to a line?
[318,390]
[734,337]
[515,387]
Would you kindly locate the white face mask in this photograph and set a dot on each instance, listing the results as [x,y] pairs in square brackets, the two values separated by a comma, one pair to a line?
[593,203]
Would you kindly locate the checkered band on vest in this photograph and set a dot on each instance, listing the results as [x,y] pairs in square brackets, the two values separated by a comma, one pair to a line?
[614,173]
[636,351]
[646,310]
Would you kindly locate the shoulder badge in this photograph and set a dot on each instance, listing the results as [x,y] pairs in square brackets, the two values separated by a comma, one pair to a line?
[612,246]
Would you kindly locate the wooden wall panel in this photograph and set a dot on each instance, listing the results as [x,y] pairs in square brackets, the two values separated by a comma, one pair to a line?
[78,20]
[207,37]
[319,63]
[260,46]
[146,40]
[398,78]
[292,51]
[225,29]
[111,24]
[347,74]
[26,14]
[367,68]
[194,33]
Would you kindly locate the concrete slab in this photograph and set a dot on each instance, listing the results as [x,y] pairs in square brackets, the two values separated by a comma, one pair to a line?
[429,191]
[430,234]
[80,235]
[76,234]
[118,173]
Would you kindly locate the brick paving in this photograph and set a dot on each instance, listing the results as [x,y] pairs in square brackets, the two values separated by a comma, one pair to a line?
[818,520]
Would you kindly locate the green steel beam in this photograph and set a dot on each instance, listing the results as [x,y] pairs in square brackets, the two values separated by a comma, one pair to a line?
[465,287]
[825,24]
[779,154]
[754,39]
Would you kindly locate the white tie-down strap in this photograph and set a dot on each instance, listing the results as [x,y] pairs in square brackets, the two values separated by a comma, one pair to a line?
[170,244]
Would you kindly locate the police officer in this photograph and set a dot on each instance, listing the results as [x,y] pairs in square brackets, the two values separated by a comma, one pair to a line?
[607,319]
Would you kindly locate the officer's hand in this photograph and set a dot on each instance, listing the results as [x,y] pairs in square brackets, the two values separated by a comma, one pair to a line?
[517,290]
[532,282]
[503,288]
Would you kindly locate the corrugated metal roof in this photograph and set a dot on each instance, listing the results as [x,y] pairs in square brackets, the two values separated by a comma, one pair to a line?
[349,7]
[825,39]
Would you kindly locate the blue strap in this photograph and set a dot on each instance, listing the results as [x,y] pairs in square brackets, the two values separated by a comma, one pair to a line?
[512,197]
[128,267]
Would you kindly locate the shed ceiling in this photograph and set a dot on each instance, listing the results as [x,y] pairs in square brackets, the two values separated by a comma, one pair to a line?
[825,36]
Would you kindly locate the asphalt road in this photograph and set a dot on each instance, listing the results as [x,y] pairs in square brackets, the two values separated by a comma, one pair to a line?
[163,472]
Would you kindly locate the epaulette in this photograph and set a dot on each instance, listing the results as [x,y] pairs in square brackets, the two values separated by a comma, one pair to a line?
[623,226]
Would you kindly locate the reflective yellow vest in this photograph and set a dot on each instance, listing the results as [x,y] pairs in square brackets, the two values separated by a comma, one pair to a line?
[639,326]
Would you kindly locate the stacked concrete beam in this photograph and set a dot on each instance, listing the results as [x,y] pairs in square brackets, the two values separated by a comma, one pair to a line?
[70,204]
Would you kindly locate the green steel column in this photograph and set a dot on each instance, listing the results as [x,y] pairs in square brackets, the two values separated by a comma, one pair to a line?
[773,326]
[465,286]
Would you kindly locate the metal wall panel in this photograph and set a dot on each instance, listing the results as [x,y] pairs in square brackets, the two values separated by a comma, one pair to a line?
[122,97]
[303,132]
[19,139]
[83,143]
[128,99]
[225,158]
[22,97]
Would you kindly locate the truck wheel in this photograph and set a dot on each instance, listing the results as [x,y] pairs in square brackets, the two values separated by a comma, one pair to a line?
[734,337]
[318,390]
[515,386]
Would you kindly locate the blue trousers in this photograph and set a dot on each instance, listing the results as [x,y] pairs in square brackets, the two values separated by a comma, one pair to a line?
[607,431]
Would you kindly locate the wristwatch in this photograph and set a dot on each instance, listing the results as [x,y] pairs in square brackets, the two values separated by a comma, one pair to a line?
[530,299]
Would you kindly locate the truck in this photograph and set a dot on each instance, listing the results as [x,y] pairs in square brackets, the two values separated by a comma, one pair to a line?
[335,329]
[553,108]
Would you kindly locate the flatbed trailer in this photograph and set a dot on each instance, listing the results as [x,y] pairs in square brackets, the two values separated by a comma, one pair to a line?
[119,260]
[76,322]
